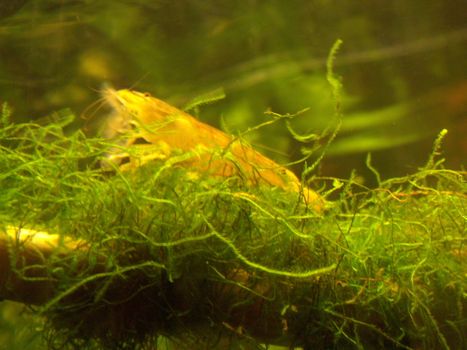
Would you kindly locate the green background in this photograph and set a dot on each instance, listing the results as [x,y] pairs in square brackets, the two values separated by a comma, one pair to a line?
[402,64]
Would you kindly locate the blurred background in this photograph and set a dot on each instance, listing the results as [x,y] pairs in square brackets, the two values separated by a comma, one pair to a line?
[403,68]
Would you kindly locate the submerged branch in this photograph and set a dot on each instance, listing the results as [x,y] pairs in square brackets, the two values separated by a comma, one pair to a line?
[163,250]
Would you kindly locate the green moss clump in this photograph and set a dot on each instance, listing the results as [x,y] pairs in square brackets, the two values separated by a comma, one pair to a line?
[209,261]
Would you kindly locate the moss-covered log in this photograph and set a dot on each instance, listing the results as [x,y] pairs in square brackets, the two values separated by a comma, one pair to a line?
[163,250]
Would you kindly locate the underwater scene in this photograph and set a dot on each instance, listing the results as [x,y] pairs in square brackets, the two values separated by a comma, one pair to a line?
[233,174]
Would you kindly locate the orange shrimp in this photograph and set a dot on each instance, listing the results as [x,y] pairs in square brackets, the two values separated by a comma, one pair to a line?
[167,128]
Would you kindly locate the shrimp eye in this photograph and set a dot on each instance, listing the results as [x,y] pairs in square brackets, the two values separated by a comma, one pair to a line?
[140,141]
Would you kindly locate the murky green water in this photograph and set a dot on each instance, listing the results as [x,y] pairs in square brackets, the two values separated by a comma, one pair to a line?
[402,66]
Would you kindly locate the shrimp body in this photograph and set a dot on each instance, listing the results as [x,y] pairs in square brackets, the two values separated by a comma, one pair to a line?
[168,128]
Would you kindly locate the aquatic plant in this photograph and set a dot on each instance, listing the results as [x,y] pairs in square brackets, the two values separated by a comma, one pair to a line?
[206,261]
[116,257]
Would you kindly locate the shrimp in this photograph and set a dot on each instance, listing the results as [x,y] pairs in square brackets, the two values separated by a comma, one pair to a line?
[161,128]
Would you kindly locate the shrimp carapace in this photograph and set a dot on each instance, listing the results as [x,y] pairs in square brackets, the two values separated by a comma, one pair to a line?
[160,129]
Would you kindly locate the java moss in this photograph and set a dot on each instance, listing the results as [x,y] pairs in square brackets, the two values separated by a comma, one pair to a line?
[212,262]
